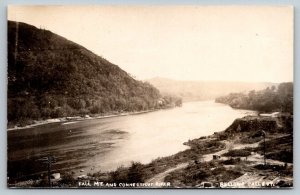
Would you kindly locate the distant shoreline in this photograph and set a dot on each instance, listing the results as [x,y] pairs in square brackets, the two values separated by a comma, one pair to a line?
[78,118]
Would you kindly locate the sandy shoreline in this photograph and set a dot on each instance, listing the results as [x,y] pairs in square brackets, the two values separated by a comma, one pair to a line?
[75,119]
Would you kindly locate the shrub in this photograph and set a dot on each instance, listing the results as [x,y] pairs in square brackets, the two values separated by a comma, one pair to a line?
[284,156]
[136,173]
[120,175]
[231,161]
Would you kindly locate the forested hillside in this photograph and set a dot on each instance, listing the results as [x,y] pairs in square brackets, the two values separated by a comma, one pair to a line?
[268,100]
[50,76]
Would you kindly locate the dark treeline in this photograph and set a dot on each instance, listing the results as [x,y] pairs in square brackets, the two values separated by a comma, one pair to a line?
[270,99]
[50,76]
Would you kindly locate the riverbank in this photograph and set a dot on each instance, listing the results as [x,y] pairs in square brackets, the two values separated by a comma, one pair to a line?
[77,118]
[242,162]
[222,160]
[232,158]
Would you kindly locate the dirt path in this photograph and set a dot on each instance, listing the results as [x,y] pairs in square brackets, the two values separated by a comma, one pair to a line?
[255,158]
[208,157]
[228,146]
[242,146]
[161,176]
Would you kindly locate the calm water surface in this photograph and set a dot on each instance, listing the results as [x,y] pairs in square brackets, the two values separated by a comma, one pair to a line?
[105,144]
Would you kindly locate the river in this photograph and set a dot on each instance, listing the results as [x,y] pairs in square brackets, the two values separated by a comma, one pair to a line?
[105,144]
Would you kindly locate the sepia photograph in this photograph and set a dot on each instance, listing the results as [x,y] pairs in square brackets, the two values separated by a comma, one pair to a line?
[140,96]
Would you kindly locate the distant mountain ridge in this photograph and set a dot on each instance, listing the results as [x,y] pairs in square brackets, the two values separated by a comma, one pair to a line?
[204,90]
[50,76]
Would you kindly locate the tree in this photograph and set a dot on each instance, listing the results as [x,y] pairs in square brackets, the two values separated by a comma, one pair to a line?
[135,173]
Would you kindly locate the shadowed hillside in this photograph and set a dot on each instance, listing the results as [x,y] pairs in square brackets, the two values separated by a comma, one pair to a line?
[50,76]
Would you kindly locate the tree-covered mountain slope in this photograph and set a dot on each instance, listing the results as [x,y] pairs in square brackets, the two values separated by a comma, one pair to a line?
[50,76]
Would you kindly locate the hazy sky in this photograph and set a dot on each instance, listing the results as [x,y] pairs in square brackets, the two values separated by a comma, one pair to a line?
[225,43]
